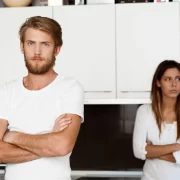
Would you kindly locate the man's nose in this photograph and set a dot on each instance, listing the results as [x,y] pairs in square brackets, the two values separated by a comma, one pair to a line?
[38,50]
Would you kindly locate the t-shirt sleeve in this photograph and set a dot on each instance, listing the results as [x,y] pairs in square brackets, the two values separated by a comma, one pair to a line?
[176,155]
[140,133]
[74,100]
[3,102]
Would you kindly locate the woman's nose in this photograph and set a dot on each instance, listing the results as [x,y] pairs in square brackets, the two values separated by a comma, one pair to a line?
[174,82]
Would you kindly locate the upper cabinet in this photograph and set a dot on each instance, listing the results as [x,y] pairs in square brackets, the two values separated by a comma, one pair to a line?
[112,50]
[146,34]
[88,51]
[12,64]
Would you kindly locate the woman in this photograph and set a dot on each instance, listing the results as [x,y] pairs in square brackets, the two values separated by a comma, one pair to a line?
[156,135]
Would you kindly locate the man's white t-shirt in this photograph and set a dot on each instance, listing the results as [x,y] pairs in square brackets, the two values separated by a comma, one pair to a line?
[35,112]
[145,130]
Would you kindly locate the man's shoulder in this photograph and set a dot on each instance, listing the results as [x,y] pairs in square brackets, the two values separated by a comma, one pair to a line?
[11,83]
[68,82]
[9,86]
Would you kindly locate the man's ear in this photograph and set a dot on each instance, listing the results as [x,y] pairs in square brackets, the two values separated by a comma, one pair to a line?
[22,47]
[57,50]
[158,84]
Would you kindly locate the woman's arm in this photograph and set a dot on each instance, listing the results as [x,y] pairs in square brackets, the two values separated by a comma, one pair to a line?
[161,151]
[140,133]
[168,157]
[143,149]
[176,154]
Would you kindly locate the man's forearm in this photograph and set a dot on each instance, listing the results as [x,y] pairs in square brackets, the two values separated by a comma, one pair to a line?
[43,145]
[12,154]
[59,142]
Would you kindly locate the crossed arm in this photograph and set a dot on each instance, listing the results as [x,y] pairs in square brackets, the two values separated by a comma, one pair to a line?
[163,152]
[10,153]
[146,150]
[20,147]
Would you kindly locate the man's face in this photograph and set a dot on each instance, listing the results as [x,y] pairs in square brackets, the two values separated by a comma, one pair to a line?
[39,51]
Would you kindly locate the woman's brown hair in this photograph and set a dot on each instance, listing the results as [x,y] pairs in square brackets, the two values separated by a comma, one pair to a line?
[156,93]
[45,24]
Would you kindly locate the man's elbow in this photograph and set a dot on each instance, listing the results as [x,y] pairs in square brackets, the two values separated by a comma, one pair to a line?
[1,158]
[63,150]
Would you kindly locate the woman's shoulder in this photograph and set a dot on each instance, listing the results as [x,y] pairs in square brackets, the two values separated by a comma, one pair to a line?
[145,110]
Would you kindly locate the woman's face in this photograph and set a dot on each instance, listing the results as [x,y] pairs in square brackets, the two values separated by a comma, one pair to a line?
[170,83]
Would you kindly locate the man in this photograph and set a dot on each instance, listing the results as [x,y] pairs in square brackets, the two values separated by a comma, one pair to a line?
[42,111]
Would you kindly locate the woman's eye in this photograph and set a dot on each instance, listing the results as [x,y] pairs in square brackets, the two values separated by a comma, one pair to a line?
[178,79]
[167,79]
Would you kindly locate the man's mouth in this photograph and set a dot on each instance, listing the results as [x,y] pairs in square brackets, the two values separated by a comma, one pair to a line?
[37,59]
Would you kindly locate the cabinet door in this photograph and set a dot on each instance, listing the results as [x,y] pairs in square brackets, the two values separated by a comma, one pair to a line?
[88,52]
[146,34]
[12,64]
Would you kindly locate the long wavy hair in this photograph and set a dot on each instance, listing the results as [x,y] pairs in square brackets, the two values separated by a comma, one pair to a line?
[156,94]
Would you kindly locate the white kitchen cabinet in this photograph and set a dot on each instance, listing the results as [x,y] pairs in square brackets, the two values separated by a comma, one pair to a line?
[88,52]
[11,59]
[146,34]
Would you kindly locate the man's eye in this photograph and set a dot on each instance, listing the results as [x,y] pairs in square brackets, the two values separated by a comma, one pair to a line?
[30,43]
[46,44]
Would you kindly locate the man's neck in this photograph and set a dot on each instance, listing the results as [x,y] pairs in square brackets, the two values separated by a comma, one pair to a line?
[37,82]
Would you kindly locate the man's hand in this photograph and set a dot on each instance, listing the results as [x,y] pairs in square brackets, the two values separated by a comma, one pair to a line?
[9,136]
[61,123]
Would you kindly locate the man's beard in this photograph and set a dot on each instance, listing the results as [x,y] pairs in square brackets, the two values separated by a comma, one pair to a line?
[38,69]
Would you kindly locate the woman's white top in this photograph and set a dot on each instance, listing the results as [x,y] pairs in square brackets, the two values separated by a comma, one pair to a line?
[146,129]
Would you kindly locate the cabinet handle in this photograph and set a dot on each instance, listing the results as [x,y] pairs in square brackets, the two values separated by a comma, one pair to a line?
[98,91]
[135,91]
